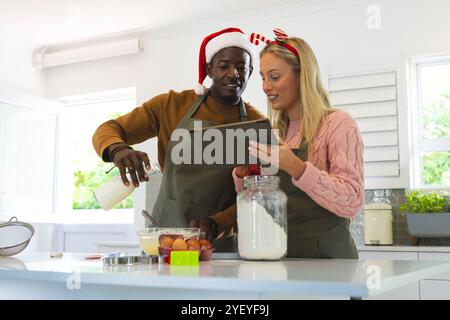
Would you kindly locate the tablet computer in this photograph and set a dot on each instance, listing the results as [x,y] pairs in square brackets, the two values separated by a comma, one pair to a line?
[227,144]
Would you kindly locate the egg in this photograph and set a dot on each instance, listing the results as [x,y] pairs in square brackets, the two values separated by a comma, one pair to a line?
[179,245]
[173,236]
[205,243]
[193,244]
[167,243]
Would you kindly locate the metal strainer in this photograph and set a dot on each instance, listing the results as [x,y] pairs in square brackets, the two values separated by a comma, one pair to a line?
[14,236]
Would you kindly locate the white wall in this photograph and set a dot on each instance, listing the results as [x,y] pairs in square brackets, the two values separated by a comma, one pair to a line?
[336,30]
[17,73]
[44,239]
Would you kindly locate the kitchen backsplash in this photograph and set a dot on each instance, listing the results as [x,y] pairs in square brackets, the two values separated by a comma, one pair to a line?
[395,196]
[399,228]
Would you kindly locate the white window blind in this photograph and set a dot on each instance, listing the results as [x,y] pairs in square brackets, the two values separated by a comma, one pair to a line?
[371,99]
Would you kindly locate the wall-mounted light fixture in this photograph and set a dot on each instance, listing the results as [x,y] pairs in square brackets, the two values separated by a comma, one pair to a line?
[57,55]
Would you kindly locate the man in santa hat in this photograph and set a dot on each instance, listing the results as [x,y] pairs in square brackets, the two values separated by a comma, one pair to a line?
[198,196]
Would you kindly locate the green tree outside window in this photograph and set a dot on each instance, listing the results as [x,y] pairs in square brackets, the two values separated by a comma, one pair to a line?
[89,169]
[435,113]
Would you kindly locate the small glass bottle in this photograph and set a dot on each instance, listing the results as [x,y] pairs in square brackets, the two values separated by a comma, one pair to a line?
[262,219]
[114,191]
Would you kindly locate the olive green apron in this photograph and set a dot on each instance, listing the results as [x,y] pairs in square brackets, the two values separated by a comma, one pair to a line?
[313,231]
[195,191]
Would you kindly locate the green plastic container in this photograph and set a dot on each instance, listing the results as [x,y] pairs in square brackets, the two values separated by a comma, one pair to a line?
[184,258]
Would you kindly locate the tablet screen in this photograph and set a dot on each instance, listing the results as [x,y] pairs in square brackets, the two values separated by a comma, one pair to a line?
[227,145]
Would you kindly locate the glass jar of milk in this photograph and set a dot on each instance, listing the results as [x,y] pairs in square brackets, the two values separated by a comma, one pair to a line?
[262,219]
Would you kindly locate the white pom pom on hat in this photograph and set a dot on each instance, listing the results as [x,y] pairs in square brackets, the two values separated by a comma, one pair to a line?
[199,89]
[213,43]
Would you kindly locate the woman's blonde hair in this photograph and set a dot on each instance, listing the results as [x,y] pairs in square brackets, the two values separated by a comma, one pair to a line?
[314,100]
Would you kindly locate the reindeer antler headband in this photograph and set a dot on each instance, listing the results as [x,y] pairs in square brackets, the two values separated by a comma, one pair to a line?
[280,39]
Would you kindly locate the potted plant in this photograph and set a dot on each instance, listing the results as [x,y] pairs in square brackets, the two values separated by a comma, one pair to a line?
[427,214]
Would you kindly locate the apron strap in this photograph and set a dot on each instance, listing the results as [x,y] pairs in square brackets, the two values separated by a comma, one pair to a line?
[242,110]
[302,150]
[303,146]
[194,108]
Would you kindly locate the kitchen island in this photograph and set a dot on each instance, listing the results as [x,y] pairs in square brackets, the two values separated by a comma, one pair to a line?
[38,276]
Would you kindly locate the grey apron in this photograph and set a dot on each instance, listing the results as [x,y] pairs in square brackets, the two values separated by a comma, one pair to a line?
[195,191]
[313,231]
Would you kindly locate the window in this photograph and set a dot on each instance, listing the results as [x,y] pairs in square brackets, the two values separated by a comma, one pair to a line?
[27,158]
[83,170]
[431,122]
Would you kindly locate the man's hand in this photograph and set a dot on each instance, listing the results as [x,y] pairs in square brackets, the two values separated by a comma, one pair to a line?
[207,226]
[133,161]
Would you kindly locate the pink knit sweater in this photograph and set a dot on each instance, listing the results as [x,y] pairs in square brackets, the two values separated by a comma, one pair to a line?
[334,174]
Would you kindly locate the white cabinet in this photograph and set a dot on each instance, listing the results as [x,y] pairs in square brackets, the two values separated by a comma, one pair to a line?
[435,290]
[126,247]
[408,292]
[87,237]
[436,256]
[436,287]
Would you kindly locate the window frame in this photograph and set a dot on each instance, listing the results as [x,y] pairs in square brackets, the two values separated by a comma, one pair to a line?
[418,144]
[65,181]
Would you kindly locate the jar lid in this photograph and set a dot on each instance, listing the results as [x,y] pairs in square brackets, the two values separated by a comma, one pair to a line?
[261,179]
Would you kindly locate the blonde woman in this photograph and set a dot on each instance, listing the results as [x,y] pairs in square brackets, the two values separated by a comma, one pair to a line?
[320,156]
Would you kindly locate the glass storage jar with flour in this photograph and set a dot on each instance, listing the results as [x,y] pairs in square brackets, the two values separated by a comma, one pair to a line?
[262,219]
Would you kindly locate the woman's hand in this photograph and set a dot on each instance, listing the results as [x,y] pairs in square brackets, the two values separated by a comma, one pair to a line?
[242,171]
[134,161]
[280,156]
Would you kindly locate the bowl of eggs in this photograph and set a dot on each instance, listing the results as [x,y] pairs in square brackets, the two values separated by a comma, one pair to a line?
[162,241]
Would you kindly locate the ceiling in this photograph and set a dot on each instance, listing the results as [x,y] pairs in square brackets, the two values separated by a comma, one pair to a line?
[53,21]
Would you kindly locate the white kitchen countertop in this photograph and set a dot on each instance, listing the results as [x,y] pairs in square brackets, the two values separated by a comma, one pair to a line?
[214,279]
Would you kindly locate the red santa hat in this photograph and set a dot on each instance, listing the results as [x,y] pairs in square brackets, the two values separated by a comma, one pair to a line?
[230,37]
